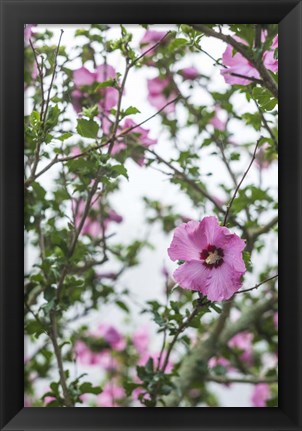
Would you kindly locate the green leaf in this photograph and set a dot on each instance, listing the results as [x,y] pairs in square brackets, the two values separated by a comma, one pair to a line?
[52,117]
[65,136]
[87,128]
[87,388]
[131,110]
[122,306]
[120,170]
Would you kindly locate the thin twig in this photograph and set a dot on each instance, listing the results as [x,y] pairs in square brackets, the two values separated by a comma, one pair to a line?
[52,78]
[251,380]
[239,185]
[257,285]
[268,80]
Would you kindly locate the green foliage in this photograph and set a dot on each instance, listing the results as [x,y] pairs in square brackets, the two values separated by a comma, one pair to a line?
[87,128]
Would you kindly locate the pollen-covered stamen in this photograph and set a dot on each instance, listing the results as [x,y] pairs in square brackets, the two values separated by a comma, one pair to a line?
[212,256]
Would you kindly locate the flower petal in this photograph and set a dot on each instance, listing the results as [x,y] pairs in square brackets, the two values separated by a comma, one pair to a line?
[233,253]
[188,241]
[192,275]
[223,282]
[83,76]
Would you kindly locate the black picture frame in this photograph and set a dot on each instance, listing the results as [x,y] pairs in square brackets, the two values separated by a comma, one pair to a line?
[14,13]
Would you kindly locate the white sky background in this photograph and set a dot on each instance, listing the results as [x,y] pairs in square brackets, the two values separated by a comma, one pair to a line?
[146,280]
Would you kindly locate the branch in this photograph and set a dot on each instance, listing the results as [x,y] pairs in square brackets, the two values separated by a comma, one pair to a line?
[257,285]
[189,370]
[239,185]
[268,80]
[251,380]
[57,350]
[254,233]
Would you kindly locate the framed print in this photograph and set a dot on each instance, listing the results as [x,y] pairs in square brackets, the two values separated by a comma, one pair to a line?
[157,178]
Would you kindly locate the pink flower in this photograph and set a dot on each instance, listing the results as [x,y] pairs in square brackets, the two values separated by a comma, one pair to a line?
[104,359]
[160,93]
[83,76]
[260,395]
[112,216]
[111,396]
[269,59]
[107,361]
[213,258]
[108,96]
[111,335]
[215,361]
[93,225]
[216,121]
[151,38]
[189,73]
[141,340]
[261,160]
[243,342]
[237,64]
[275,318]
[48,399]
[138,134]
[28,33]
[84,355]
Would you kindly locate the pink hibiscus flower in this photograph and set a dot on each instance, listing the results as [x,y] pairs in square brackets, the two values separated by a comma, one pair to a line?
[93,225]
[260,395]
[189,73]
[216,361]
[111,396]
[216,121]
[263,159]
[138,134]
[161,93]
[85,356]
[141,340]
[213,258]
[28,33]
[108,96]
[151,38]
[239,65]
[110,334]
[243,342]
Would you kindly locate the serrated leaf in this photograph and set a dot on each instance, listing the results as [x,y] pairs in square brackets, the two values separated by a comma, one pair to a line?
[120,170]
[65,136]
[87,128]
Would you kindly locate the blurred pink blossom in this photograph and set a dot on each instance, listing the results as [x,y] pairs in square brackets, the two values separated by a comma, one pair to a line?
[83,77]
[262,161]
[189,73]
[161,93]
[93,224]
[141,340]
[111,396]
[151,38]
[243,342]
[216,121]
[28,32]
[260,395]
[139,134]
[275,318]
[238,64]
[110,334]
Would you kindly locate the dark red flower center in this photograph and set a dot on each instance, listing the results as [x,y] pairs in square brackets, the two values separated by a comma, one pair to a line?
[212,256]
